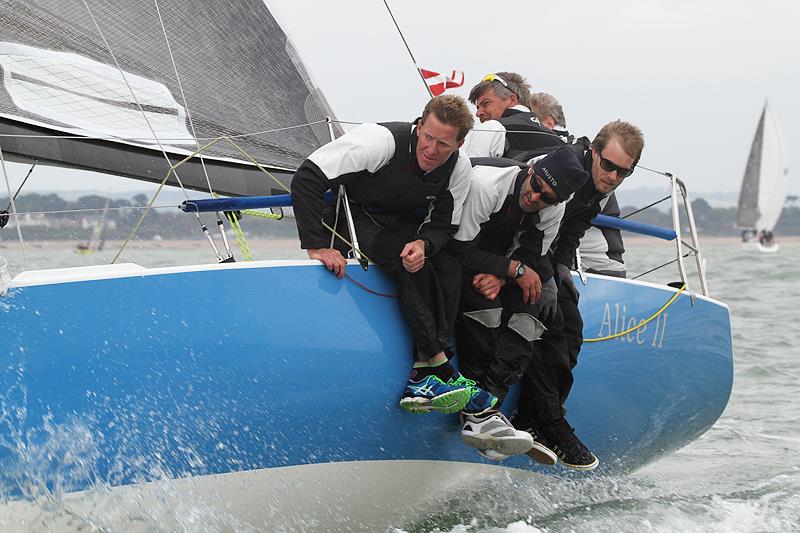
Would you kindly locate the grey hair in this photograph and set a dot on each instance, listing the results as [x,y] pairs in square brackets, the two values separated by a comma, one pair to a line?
[545,105]
[517,85]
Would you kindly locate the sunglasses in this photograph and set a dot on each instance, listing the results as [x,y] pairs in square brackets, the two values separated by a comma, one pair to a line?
[495,77]
[536,185]
[608,166]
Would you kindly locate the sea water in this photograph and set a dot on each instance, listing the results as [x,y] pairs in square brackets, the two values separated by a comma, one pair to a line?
[743,475]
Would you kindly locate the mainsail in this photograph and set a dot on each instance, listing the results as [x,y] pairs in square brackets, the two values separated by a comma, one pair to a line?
[766,178]
[149,79]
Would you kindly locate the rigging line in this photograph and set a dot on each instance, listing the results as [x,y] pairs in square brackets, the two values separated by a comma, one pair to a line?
[131,91]
[158,141]
[643,322]
[14,209]
[687,254]
[647,206]
[28,175]
[194,132]
[663,173]
[93,210]
[256,163]
[183,95]
[413,59]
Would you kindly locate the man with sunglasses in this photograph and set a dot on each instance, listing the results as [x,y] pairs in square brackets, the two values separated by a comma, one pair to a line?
[609,159]
[601,248]
[510,218]
[508,127]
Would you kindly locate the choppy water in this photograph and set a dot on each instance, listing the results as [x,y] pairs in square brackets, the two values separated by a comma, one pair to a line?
[742,476]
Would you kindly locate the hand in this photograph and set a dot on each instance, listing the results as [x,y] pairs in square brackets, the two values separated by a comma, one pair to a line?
[531,285]
[564,277]
[488,285]
[545,307]
[413,255]
[331,258]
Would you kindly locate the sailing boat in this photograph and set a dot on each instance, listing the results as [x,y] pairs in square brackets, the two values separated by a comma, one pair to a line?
[764,186]
[237,379]
[96,240]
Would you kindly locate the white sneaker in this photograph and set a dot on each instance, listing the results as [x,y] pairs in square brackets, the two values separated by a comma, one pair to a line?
[493,455]
[493,431]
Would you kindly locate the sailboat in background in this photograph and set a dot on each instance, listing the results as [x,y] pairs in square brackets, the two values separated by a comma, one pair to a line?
[246,381]
[764,186]
[96,241]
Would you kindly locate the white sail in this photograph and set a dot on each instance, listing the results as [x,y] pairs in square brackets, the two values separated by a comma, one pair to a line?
[774,182]
[766,179]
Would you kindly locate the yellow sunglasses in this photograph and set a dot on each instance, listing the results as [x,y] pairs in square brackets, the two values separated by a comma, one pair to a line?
[495,77]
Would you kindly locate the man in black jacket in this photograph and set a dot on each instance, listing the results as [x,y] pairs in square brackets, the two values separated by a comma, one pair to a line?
[510,218]
[508,127]
[610,158]
[391,171]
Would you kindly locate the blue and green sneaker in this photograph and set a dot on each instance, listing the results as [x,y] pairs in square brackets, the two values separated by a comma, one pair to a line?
[480,400]
[433,394]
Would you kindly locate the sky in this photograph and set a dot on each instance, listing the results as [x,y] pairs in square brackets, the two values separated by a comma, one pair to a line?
[693,75]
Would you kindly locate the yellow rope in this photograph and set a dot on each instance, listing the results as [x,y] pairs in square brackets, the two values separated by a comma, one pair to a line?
[634,328]
[238,232]
[261,214]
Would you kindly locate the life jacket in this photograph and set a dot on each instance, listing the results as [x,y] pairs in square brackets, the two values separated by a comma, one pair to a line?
[401,186]
[526,138]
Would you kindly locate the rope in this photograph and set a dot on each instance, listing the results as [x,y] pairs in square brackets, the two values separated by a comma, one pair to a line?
[14,209]
[408,48]
[28,175]
[376,293]
[238,232]
[634,328]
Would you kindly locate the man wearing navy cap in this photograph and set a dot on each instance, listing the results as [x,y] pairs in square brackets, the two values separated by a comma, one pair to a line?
[510,218]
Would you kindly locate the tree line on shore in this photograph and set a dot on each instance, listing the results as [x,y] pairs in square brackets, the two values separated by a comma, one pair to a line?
[50,217]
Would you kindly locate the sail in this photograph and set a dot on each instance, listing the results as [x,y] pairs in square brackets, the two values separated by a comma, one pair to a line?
[766,178]
[147,81]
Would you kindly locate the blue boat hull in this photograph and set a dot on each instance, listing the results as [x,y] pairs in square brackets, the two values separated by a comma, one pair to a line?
[168,373]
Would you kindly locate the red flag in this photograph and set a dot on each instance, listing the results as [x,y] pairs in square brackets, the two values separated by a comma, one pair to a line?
[439,83]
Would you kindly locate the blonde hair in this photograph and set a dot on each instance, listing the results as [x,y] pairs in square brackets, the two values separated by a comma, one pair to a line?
[451,110]
[629,137]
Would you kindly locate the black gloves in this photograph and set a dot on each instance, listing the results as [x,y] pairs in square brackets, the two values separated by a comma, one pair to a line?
[545,306]
[564,276]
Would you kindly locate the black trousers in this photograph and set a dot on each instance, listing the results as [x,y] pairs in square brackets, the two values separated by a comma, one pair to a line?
[429,297]
[548,380]
[495,338]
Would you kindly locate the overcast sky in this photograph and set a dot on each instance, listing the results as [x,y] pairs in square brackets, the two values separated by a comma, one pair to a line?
[692,74]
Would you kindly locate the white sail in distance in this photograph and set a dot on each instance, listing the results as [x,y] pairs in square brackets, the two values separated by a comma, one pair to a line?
[766,179]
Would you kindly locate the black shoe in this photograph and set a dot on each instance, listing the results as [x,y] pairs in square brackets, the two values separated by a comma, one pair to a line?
[560,437]
[539,452]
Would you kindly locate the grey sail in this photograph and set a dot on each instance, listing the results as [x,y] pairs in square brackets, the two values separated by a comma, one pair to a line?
[748,214]
[127,84]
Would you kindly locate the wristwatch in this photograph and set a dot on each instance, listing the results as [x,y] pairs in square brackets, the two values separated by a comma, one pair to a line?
[520,270]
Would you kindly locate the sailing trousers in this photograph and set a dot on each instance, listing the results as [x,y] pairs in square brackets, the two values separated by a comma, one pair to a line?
[495,338]
[548,380]
[429,297]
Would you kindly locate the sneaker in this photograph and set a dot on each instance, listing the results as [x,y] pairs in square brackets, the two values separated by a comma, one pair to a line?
[539,452]
[480,401]
[493,455]
[560,437]
[433,394]
[493,431]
